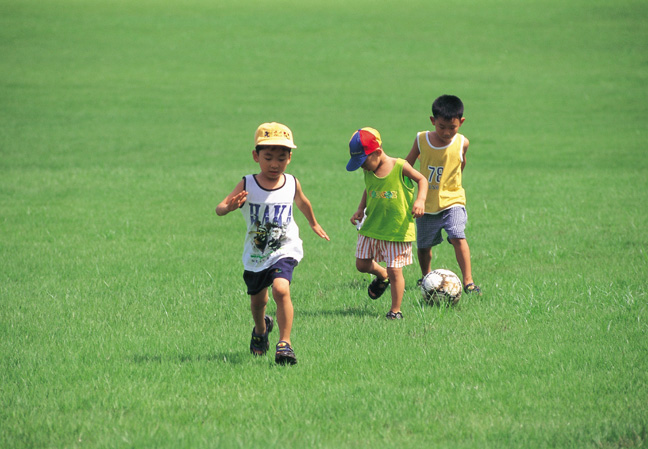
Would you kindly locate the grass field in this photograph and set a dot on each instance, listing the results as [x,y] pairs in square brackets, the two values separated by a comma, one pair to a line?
[123,315]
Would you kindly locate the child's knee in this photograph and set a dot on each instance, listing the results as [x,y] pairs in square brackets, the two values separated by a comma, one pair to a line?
[364,265]
[394,273]
[259,300]
[280,289]
[458,242]
[424,251]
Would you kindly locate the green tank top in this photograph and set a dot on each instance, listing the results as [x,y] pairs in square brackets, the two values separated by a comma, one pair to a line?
[389,206]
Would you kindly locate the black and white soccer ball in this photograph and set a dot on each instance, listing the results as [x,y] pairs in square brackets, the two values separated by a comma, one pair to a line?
[441,287]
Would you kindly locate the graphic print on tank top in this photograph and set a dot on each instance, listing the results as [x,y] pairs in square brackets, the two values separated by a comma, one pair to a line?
[269,233]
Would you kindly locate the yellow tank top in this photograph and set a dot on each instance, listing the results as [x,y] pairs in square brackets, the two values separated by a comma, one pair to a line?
[442,168]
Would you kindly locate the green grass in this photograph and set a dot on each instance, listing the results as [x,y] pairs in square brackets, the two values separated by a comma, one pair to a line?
[123,315]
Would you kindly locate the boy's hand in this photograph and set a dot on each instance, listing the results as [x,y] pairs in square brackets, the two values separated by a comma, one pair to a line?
[319,231]
[233,201]
[418,210]
[357,217]
[237,201]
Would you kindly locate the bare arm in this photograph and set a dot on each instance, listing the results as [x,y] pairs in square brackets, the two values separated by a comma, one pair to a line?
[414,153]
[418,209]
[465,150]
[232,201]
[359,213]
[304,205]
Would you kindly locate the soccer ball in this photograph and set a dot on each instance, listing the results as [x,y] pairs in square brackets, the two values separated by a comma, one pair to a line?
[440,286]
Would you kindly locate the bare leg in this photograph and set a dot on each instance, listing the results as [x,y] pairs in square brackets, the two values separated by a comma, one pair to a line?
[425,259]
[285,311]
[258,304]
[462,251]
[372,267]
[397,283]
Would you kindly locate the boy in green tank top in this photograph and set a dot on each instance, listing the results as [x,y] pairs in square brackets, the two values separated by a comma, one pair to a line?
[385,215]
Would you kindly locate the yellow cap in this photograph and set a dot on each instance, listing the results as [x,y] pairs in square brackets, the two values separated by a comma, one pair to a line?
[274,134]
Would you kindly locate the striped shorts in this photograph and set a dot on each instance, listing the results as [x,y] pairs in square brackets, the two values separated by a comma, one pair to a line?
[394,254]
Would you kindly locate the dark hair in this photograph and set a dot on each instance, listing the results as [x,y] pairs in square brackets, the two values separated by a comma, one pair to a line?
[447,107]
[269,147]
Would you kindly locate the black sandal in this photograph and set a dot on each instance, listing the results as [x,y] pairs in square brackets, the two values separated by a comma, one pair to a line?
[285,354]
[377,288]
[259,343]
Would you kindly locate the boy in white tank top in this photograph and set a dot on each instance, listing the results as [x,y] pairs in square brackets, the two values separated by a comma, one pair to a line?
[272,245]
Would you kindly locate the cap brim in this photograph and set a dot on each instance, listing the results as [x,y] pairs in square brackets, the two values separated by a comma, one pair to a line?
[356,162]
[277,142]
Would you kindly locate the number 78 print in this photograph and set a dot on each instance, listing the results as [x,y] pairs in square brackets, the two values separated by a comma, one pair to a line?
[435,174]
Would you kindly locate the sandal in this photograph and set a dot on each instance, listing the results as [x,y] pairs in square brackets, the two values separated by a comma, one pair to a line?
[377,288]
[472,289]
[285,354]
[259,344]
[394,316]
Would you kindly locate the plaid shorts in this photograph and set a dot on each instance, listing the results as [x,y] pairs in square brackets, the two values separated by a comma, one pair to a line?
[429,226]
[395,254]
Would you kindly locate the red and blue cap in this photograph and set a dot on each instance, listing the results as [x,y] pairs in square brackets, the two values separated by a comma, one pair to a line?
[363,142]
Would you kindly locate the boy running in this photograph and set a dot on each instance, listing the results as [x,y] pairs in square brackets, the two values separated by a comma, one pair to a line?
[272,247]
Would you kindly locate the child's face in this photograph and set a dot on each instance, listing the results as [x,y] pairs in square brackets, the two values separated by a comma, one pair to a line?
[272,160]
[372,161]
[446,129]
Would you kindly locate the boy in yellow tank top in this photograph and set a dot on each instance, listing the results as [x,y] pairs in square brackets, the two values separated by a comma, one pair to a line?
[442,156]
[385,215]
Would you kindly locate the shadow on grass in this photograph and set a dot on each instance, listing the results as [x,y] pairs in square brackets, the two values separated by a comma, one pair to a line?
[357,283]
[233,357]
[347,312]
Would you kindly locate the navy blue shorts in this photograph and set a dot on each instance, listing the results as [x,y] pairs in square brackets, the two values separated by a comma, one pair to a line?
[258,280]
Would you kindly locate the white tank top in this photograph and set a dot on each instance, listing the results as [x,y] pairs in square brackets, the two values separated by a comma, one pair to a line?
[272,234]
